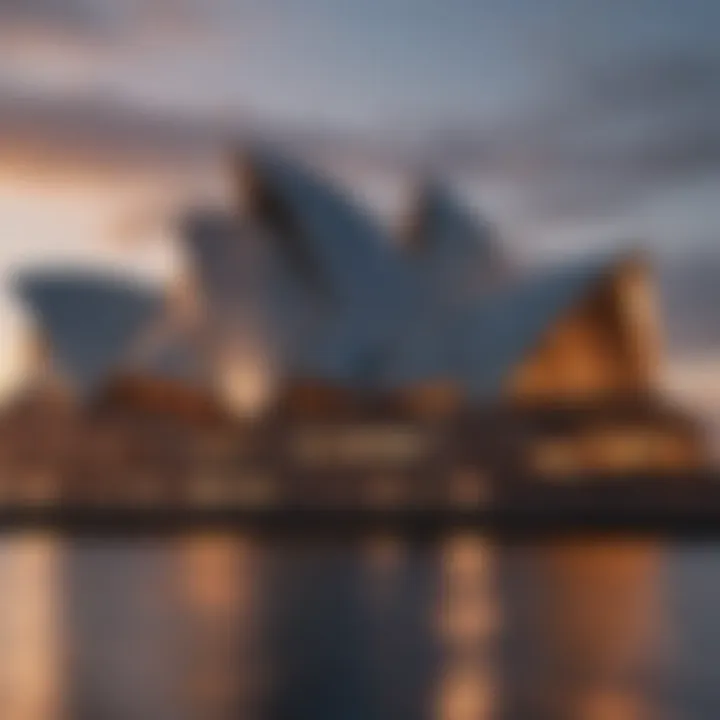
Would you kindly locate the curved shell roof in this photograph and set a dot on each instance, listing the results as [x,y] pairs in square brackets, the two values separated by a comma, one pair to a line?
[367,288]
[479,345]
[456,253]
[308,284]
[89,320]
[501,331]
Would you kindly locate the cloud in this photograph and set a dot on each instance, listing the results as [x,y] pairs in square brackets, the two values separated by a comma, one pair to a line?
[97,133]
[71,15]
[602,141]
[97,20]
[602,136]
[690,285]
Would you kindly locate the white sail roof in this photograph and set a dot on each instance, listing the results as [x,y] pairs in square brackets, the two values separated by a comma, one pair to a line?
[308,285]
[479,346]
[475,339]
[367,289]
[251,299]
[500,333]
[89,320]
[455,253]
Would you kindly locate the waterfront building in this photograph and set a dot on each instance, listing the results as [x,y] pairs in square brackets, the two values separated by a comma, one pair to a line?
[319,344]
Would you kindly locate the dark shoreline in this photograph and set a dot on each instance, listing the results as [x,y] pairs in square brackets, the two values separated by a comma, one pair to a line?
[519,522]
[684,505]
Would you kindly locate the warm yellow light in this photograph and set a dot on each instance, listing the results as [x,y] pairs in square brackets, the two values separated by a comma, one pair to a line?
[247,385]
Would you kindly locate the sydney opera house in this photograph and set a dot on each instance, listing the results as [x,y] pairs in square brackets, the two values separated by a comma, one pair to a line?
[308,352]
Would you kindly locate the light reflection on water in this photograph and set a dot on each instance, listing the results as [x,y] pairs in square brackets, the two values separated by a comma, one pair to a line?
[30,628]
[222,626]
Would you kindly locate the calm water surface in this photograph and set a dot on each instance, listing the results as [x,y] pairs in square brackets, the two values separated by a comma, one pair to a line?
[213,627]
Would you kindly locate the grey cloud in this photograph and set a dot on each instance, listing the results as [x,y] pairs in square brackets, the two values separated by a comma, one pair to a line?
[690,286]
[98,131]
[605,139]
[98,21]
[73,17]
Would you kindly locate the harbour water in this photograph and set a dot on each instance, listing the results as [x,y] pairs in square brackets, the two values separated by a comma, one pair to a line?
[213,626]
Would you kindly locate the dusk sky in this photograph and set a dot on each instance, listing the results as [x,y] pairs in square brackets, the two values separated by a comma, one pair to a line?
[571,124]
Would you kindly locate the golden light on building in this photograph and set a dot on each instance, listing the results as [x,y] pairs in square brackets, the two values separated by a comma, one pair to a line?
[556,458]
[247,384]
[362,379]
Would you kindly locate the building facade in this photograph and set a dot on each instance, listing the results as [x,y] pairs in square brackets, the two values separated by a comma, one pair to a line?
[316,357]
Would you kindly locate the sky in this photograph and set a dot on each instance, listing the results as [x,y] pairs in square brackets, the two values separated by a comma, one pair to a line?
[570,124]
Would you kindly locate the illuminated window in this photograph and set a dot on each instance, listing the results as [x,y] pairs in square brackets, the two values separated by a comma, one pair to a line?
[221,490]
[358,446]
[672,452]
[555,458]
[618,450]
